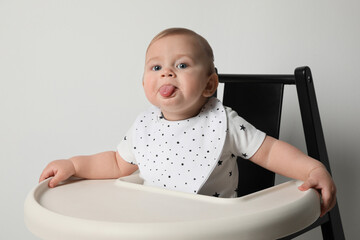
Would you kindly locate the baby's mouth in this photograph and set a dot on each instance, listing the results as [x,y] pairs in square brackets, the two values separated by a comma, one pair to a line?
[167,90]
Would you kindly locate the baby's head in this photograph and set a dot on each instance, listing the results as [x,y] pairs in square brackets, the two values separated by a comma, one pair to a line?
[202,42]
[179,73]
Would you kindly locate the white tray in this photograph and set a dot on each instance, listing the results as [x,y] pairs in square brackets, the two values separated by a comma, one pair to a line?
[120,209]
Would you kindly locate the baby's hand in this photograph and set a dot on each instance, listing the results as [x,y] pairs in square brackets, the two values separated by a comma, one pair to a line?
[320,179]
[60,169]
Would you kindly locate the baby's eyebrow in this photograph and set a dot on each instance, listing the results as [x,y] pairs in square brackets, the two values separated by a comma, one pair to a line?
[185,56]
[152,59]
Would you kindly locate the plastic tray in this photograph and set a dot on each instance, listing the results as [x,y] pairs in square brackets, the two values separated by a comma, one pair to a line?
[124,209]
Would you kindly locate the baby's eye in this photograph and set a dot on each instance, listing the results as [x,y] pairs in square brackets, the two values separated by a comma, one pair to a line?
[181,65]
[156,68]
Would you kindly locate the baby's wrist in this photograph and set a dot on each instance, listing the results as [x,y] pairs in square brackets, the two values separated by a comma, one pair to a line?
[318,167]
[72,161]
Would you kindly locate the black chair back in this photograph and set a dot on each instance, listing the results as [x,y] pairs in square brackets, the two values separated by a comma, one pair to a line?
[258,99]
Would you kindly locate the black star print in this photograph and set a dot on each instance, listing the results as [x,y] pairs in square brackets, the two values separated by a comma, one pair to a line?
[230,174]
[242,127]
[244,155]
[232,155]
[220,162]
[216,194]
[125,138]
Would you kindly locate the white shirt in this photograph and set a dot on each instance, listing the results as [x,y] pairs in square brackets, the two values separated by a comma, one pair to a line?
[195,155]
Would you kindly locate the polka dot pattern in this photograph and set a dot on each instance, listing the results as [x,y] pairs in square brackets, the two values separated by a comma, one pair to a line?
[180,155]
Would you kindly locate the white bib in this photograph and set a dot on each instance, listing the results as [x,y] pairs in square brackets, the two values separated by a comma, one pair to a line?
[179,155]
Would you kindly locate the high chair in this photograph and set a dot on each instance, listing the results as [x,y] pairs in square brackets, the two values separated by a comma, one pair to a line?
[126,209]
[258,99]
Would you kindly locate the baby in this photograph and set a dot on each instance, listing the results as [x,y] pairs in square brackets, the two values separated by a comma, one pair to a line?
[188,141]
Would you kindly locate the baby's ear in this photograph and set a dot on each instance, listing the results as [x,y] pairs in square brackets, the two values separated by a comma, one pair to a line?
[211,86]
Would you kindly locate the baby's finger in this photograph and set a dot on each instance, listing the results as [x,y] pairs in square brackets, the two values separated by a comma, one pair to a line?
[307,185]
[59,176]
[324,205]
[46,174]
[56,179]
[328,201]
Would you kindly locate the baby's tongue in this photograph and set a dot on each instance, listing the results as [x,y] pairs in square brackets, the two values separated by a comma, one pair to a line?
[167,90]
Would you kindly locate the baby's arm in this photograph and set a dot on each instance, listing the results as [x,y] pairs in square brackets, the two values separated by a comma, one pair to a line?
[98,166]
[285,159]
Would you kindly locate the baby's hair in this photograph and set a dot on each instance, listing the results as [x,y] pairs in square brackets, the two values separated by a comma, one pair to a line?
[202,41]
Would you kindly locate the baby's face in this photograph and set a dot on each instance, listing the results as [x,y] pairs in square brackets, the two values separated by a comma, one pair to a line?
[176,75]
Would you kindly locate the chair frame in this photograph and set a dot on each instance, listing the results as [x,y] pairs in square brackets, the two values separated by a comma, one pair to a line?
[331,225]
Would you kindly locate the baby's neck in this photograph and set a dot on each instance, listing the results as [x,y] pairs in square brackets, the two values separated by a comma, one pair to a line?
[183,115]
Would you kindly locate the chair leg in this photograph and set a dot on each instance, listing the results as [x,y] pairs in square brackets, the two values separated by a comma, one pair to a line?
[333,230]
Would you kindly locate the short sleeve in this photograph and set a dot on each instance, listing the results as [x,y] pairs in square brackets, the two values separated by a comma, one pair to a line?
[125,147]
[244,139]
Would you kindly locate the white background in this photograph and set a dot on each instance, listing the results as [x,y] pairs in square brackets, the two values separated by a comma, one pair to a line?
[70,78]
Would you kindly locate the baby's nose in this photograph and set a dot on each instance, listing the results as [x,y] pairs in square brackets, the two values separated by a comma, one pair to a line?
[168,73]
